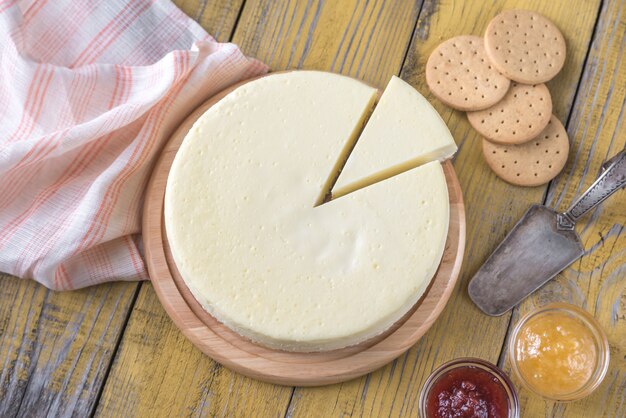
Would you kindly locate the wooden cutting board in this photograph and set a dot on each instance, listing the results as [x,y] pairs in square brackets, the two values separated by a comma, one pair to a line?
[295,369]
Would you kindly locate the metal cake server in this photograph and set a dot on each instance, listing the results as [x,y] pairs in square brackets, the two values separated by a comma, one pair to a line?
[540,246]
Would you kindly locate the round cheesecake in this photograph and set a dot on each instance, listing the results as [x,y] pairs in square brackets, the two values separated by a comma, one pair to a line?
[257,244]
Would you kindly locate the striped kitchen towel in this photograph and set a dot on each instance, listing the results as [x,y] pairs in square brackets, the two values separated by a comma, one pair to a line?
[89,93]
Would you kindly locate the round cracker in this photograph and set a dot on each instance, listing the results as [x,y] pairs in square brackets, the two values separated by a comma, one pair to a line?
[519,117]
[533,163]
[459,73]
[525,46]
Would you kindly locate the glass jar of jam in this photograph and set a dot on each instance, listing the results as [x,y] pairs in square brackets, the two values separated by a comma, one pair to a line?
[559,352]
[468,388]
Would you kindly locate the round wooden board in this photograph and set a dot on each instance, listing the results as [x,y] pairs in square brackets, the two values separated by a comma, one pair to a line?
[275,366]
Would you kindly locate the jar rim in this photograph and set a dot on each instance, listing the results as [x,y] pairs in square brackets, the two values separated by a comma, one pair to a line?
[491,368]
[600,340]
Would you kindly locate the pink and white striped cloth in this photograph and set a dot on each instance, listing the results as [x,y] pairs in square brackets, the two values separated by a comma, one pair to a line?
[89,93]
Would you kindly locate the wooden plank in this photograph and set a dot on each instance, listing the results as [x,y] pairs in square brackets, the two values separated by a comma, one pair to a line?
[21,303]
[56,348]
[492,208]
[596,282]
[217,17]
[157,371]
[366,40]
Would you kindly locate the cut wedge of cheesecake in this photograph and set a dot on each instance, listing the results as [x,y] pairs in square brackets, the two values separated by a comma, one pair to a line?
[404,132]
[256,252]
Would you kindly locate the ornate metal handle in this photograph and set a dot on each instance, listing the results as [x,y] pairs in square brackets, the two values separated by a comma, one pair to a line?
[612,178]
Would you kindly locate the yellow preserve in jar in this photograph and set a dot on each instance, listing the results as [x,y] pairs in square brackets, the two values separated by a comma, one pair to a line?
[559,352]
[555,353]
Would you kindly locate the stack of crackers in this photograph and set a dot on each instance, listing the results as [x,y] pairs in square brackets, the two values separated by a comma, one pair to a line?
[498,80]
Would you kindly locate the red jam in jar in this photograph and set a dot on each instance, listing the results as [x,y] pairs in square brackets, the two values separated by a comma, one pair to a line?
[468,388]
[468,392]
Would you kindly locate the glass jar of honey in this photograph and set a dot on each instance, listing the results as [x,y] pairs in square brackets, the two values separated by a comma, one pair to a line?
[559,352]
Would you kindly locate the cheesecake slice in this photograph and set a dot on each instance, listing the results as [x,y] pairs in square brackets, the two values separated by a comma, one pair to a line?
[404,131]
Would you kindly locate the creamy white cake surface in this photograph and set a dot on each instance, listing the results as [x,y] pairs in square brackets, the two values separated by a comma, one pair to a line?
[404,132]
[255,250]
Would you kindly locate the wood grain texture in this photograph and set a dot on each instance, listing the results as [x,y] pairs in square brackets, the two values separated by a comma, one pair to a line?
[596,282]
[218,18]
[303,369]
[158,372]
[492,207]
[55,348]
[365,40]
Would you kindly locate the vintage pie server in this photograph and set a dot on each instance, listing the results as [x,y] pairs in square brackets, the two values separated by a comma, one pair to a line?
[541,245]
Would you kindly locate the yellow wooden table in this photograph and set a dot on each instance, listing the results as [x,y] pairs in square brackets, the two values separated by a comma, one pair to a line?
[112,351]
